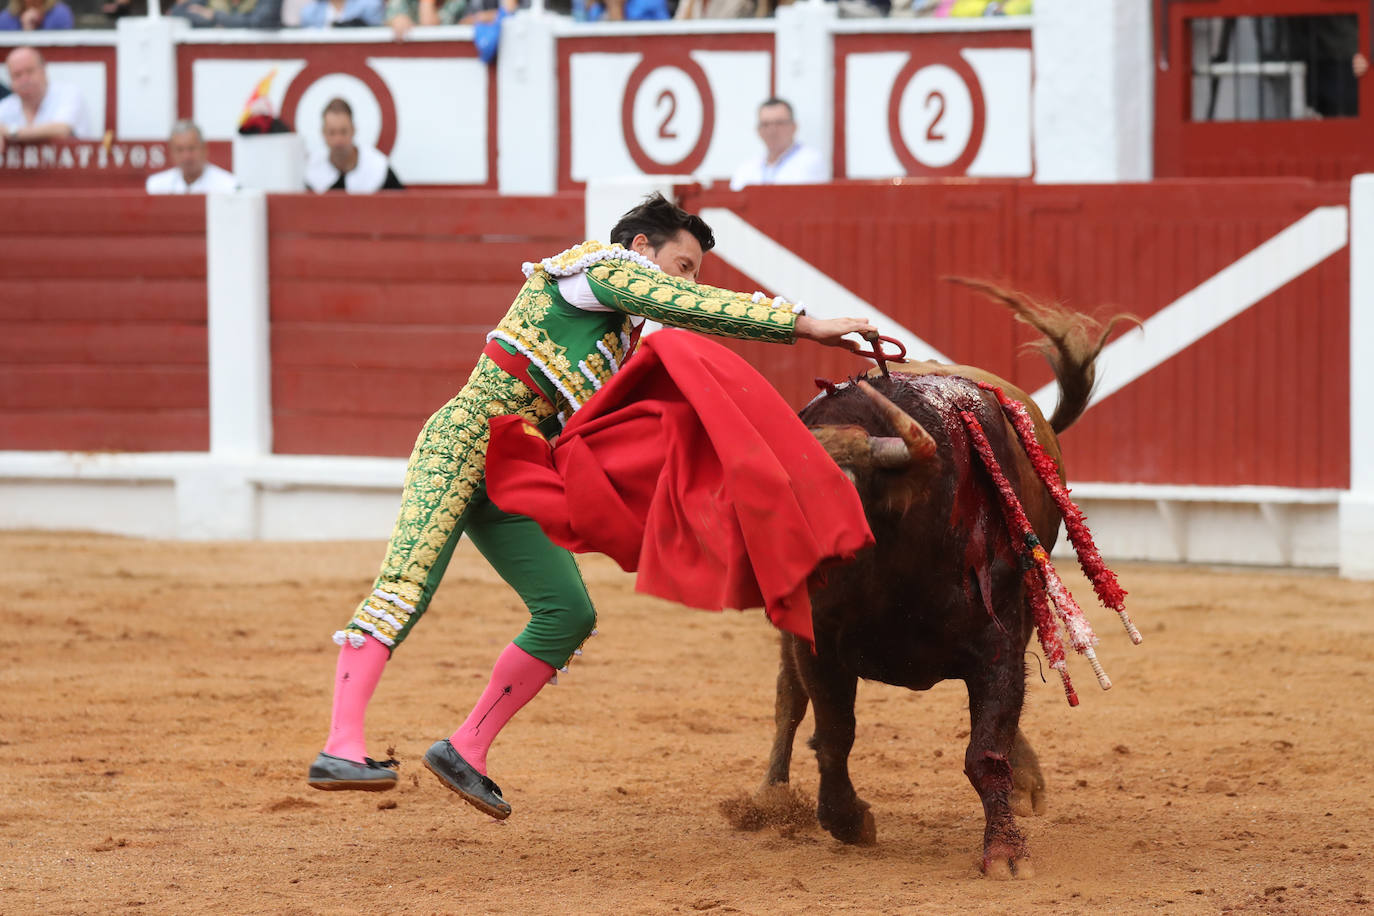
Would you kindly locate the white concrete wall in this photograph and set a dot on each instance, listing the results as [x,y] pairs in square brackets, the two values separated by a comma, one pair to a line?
[146,78]
[527,105]
[804,71]
[1094,91]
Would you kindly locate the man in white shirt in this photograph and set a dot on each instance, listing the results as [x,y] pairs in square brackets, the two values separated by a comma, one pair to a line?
[39,110]
[785,161]
[190,173]
[344,165]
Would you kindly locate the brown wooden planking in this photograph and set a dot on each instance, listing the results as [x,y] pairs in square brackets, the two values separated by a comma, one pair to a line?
[112,387]
[309,433]
[458,303]
[365,392]
[429,213]
[409,347]
[409,259]
[105,430]
[83,256]
[82,342]
[133,299]
[101,213]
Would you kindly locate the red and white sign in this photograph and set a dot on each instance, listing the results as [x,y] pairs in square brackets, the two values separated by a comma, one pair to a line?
[430,106]
[673,105]
[932,104]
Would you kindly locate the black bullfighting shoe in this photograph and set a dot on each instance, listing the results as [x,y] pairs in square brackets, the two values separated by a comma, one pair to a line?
[460,776]
[330,772]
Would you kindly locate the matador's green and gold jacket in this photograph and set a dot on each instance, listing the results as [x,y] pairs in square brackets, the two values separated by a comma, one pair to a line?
[578,347]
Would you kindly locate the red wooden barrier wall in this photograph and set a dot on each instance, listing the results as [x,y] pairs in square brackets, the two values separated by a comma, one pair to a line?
[380,306]
[1263,400]
[102,322]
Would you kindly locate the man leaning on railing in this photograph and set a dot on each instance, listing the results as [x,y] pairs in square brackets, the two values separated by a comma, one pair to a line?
[38,109]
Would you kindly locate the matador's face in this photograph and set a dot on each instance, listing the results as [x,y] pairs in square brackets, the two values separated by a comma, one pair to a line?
[680,256]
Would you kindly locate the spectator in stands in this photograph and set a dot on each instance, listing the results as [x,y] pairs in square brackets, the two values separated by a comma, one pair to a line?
[322,14]
[785,160]
[1329,46]
[230,14]
[191,172]
[36,14]
[39,110]
[721,9]
[346,165]
[621,10]
[404,15]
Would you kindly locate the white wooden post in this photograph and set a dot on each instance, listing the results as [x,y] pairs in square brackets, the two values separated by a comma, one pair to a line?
[217,500]
[1357,504]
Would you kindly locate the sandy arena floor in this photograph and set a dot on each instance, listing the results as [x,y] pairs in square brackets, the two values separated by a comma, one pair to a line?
[162,702]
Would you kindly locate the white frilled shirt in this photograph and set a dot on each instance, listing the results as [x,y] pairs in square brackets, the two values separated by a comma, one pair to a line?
[368,176]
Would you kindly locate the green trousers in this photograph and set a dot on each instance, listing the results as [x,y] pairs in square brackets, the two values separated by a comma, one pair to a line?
[445,497]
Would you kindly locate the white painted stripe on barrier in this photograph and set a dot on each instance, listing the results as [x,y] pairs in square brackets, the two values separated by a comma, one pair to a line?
[1215,301]
[774,267]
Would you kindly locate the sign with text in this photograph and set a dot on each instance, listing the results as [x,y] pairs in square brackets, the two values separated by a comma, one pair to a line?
[69,163]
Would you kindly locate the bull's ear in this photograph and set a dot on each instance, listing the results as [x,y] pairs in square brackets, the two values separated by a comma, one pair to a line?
[847,446]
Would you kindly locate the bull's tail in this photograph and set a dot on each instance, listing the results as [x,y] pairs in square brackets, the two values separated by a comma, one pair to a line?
[1071,344]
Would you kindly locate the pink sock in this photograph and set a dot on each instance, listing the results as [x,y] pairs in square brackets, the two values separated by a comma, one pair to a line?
[515,679]
[355,678]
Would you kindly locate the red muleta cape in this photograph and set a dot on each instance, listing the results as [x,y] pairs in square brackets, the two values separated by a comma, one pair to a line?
[690,469]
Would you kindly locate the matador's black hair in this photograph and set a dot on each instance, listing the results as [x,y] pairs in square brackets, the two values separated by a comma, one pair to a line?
[659,219]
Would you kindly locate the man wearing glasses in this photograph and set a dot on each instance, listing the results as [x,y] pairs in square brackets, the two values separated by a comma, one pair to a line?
[785,160]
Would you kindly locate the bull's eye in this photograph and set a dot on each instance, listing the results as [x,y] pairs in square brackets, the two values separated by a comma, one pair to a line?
[849,472]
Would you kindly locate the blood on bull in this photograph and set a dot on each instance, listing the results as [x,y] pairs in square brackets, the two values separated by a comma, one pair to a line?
[959,474]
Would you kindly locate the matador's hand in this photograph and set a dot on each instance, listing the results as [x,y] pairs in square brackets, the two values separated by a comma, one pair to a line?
[830,331]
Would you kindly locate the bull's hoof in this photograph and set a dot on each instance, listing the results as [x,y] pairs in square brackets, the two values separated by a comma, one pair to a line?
[1006,861]
[854,826]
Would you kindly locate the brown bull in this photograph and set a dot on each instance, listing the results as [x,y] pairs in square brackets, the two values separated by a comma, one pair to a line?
[941,595]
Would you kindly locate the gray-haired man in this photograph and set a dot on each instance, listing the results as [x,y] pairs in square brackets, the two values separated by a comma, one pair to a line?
[190,173]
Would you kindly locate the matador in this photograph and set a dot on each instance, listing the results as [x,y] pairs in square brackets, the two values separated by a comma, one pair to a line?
[572,326]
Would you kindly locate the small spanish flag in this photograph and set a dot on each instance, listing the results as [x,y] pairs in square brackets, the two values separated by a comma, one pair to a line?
[259,92]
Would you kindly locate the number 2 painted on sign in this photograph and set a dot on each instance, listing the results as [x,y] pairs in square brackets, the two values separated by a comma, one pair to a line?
[939,99]
[663,131]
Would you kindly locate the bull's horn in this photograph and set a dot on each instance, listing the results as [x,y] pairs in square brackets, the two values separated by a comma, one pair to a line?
[889,452]
[919,444]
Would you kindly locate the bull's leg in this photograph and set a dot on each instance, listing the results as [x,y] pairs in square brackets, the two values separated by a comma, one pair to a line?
[995,698]
[832,690]
[788,711]
[1027,782]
